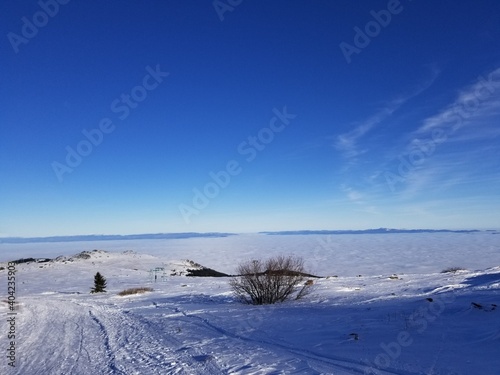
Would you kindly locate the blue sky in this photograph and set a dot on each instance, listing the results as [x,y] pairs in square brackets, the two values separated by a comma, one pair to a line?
[123,117]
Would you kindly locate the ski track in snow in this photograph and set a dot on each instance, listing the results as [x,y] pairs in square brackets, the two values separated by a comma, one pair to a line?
[310,359]
[83,336]
[99,339]
[104,339]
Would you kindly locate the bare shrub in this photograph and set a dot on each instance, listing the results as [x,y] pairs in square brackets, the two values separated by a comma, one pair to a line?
[270,281]
[305,290]
[130,291]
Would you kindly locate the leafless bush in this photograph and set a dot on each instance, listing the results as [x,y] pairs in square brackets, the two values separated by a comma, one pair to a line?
[270,281]
[305,290]
[130,291]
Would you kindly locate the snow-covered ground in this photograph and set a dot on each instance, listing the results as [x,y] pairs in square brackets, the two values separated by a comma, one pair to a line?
[389,310]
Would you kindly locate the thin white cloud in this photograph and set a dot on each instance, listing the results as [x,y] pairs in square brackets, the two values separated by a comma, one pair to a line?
[476,101]
[470,123]
[352,194]
[450,172]
[427,178]
[347,143]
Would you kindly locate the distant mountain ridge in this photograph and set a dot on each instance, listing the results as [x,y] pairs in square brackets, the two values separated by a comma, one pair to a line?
[110,237]
[155,236]
[370,231]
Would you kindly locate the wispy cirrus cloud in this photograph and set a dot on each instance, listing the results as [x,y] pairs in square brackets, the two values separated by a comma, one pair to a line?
[347,143]
[361,190]
[473,103]
[352,194]
[459,161]
[452,147]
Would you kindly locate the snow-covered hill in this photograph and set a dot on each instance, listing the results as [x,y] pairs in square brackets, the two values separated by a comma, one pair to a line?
[407,324]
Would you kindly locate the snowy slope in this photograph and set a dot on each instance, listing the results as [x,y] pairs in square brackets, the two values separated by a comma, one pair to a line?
[379,324]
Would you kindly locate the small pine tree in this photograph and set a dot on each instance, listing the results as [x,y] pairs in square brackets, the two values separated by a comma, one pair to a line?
[99,284]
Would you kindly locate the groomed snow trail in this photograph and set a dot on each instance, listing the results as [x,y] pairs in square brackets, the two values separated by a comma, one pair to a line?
[65,336]
[73,336]
[286,356]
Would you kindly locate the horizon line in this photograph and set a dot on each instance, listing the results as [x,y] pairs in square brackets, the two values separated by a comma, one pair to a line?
[185,235]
